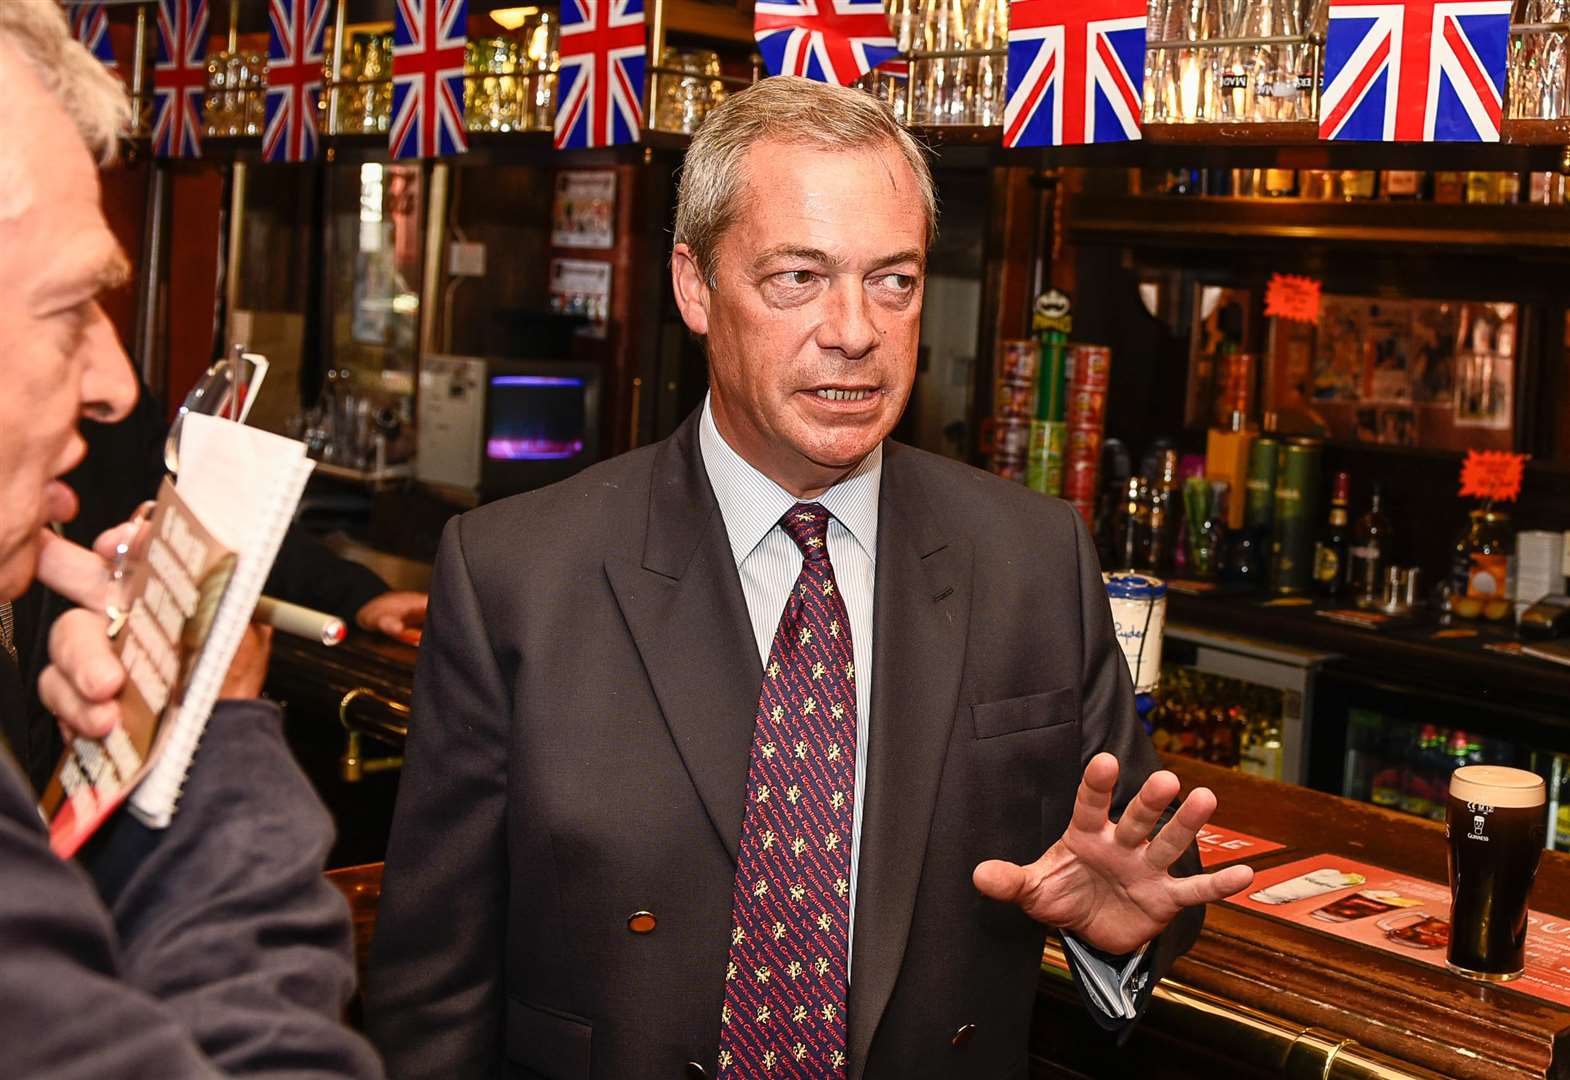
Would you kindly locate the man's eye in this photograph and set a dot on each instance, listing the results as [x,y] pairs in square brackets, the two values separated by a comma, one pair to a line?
[899,282]
[798,277]
[74,323]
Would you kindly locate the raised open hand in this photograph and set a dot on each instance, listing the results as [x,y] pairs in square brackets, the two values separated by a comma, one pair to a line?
[1108,883]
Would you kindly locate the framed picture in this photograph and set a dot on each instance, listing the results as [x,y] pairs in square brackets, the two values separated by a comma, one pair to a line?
[583,213]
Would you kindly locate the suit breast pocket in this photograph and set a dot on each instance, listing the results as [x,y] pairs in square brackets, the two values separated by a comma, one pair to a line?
[1021,770]
[1050,708]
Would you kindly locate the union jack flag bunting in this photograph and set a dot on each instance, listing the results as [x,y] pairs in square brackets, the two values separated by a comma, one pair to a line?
[1076,72]
[427,106]
[180,78]
[294,78]
[90,26]
[600,101]
[832,41]
[1422,71]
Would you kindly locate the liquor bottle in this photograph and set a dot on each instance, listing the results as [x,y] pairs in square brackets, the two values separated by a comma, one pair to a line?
[1449,187]
[1358,184]
[1401,185]
[1280,183]
[1507,187]
[1330,550]
[1482,187]
[1369,554]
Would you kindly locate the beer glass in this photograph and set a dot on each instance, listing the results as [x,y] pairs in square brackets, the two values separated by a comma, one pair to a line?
[1494,820]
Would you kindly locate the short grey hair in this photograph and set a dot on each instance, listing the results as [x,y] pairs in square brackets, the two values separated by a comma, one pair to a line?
[91,95]
[789,110]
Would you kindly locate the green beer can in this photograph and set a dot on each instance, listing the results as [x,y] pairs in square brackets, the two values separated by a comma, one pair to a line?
[1044,464]
[1299,464]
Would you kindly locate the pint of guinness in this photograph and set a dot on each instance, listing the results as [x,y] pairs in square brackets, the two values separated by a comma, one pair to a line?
[1494,819]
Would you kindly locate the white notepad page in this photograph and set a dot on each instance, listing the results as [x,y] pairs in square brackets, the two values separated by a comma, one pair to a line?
[243,484]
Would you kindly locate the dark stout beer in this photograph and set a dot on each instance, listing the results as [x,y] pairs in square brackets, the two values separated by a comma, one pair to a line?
[1494,820]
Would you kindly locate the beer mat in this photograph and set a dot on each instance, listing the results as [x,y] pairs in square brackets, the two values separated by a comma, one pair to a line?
[1398,914]
[1453,632]
[1364,620]
[1190,587]
[1555,652]
[1218,846]
[1506,648]
[1287,601]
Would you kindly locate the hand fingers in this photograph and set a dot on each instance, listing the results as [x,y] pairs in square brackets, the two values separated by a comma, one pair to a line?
[999,880]
[1146,808]
[77,715]
[1094,799]
[80,650]
[74,572]
[1178,833]
[1208,888]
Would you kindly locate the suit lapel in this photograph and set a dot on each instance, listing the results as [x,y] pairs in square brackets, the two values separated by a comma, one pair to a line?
[688,617]
[920,619]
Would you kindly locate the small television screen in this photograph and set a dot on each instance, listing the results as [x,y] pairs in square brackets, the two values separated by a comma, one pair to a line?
[536,418]
[542,423]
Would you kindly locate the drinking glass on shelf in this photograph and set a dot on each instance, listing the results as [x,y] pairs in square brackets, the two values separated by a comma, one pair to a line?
[684,100]
[539,57]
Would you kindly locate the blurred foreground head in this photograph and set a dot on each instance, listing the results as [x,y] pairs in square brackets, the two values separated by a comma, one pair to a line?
[61,113]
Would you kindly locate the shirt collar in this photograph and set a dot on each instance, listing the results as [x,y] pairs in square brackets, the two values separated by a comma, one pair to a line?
[752,504]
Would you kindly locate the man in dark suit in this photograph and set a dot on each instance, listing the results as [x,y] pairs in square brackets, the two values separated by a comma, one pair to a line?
[755,752]
[213,947]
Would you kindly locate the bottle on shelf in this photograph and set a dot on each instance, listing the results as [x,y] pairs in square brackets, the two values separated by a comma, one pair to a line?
[1358,184]
[1449,187]
[1330,550]
[1369,554]
[1401,184]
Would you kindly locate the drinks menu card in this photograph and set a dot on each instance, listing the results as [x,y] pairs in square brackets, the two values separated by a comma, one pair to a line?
[1218,846]
[1397,913]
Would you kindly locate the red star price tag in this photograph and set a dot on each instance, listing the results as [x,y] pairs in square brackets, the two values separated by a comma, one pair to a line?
[1492,474]
[1291,296]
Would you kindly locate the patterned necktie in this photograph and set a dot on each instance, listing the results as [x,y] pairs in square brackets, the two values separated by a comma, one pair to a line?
[7,628]
[785,988]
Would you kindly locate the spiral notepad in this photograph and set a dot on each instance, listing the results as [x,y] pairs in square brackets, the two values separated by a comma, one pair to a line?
[243,484]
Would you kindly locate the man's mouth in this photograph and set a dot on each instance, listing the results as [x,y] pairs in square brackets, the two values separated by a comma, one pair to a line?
[829,394]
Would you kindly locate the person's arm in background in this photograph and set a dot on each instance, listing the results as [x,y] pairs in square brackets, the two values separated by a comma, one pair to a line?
[224,919]
[434,997]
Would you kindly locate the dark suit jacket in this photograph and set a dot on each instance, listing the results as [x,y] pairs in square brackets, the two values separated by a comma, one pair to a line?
[582,723]
[214,947]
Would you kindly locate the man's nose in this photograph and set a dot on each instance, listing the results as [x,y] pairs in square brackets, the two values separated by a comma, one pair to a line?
[109,386]
[847,326]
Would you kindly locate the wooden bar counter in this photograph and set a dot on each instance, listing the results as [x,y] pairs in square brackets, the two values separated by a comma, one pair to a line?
[1259,997]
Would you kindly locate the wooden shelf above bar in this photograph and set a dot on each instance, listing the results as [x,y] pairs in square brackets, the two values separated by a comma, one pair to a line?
[1166,220]
[717,22]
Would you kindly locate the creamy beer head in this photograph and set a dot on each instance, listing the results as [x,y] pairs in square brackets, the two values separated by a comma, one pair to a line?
[1497,785]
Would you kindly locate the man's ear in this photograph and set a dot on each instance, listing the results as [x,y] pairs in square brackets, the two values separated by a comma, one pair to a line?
[692,292]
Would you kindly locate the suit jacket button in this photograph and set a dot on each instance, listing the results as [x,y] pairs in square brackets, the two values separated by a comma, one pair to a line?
[695,1071]
[962,1036]
[641,922]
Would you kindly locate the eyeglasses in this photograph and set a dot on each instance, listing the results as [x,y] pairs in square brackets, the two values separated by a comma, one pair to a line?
[228,388]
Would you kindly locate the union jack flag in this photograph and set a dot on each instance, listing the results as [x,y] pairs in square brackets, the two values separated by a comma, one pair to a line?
[294,78]
[427,107]
[601,73]
[1076,72]
[180,78]
[1422,71]
[832,41]
[90,25]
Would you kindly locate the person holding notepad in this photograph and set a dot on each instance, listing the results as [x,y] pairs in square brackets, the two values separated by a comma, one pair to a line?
[214,947]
